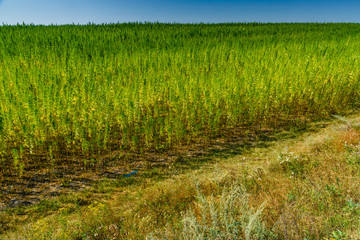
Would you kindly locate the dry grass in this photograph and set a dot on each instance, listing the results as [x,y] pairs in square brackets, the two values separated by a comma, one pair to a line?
[304,188]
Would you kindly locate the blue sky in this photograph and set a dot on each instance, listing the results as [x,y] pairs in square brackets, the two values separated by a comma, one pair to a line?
[214,11]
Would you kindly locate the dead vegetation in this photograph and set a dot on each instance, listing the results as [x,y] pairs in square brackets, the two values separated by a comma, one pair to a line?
[301,188]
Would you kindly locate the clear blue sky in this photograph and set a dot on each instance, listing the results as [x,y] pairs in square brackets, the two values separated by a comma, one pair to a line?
[112,11]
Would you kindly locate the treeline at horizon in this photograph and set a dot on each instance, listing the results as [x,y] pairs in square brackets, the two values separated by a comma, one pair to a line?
[119,24]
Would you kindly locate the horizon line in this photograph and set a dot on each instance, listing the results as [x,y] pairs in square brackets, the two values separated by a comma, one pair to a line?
[171,23]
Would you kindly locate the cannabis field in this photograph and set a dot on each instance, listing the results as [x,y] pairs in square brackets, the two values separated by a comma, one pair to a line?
[84,91]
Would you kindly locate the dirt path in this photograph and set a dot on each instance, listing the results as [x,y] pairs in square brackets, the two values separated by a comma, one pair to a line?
[68,176]
[38,184]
